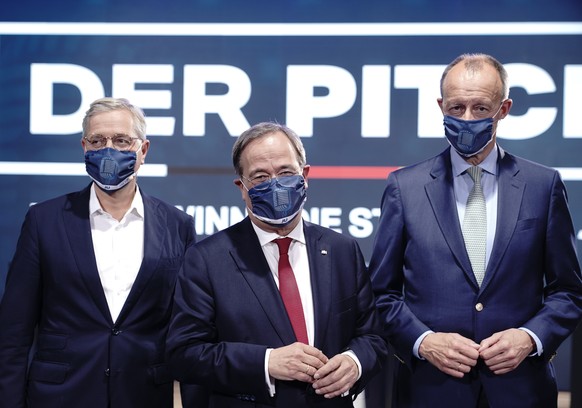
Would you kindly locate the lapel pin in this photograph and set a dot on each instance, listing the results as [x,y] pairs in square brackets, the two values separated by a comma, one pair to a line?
[323,252]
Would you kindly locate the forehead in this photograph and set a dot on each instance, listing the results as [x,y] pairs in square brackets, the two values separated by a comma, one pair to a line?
[462,85]
[269,151]
[112,122]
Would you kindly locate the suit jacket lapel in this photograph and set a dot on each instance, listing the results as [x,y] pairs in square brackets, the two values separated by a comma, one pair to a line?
[320,255]
[76,218]
[510,195]
[154,240]
[441,195]
[249,257]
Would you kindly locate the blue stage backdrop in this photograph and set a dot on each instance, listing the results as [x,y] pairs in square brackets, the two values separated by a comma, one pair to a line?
[358,81]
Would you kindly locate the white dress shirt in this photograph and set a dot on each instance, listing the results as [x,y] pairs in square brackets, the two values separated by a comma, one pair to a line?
[118,247]
[300,265]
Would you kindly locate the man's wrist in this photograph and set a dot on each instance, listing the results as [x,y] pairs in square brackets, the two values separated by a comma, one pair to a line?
[534,347]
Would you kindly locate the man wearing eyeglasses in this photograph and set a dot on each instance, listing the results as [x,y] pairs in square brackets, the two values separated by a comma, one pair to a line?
[275,311]
[88,293]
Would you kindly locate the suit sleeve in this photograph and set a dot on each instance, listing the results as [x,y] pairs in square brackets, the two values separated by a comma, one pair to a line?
[19,313]
[387,274]
[367,343]
[190,233]
[562,304]
[191,395]
[196,355]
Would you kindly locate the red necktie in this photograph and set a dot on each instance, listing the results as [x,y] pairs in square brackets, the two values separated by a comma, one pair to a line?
[290,292]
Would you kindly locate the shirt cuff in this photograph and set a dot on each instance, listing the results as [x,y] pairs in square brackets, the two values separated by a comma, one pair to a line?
[353,356]
[539,346]
[417,344]
[268,379]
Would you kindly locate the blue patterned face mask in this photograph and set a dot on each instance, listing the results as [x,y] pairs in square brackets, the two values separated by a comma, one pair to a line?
[278,201]
[109,168]
[469,137]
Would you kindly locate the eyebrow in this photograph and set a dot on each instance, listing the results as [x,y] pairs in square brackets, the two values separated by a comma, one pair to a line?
[114,135]
[466,102]
[285,167]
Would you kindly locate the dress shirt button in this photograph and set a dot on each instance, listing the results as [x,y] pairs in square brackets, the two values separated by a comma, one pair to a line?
[479,307]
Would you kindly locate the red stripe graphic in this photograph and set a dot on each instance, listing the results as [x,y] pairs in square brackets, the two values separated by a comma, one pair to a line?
[351,172]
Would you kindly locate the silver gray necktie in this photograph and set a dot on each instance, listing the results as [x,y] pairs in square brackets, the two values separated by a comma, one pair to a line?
[475,225]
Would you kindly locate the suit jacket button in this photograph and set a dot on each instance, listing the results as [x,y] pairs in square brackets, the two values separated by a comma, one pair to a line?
[107,372]
[479,307]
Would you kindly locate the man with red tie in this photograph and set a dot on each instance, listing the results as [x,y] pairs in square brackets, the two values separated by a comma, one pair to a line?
[275,310]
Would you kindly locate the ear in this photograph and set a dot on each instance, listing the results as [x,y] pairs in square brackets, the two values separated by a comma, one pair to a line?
[505,108]
[440,103]
[238,182]
[305,173]
[145,146]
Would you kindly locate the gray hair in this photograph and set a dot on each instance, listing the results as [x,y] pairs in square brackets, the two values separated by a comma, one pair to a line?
[113,104]
[260,130]
[474,63]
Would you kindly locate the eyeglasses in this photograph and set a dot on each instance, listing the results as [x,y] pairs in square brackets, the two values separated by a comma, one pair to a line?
[264,178]
[120,142]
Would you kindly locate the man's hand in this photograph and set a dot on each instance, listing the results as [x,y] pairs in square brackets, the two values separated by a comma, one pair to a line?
[505,350]
[451,353]
[296,361]
[337,376]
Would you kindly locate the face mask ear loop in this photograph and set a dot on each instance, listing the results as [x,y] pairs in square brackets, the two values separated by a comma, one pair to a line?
[498,110]
[243,183]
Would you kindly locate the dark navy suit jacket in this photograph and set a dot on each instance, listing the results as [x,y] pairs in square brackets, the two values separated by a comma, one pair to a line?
[81,358]
[228,311]
[422,276]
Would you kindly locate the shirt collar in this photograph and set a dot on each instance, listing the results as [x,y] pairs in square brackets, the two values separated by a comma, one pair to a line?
[489,164]
[266,237]
[136,205]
